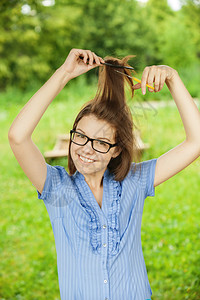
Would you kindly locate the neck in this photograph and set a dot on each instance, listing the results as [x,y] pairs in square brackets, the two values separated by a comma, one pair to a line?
[95,181]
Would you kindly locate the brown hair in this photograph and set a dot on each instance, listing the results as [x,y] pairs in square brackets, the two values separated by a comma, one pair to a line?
[110,105]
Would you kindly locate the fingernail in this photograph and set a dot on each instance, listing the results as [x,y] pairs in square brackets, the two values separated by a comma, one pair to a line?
[143,92]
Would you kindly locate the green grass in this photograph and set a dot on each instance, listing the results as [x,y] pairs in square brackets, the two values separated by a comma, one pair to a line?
[170,224]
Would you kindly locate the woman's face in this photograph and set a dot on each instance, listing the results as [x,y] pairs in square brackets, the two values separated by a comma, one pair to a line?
[96,129]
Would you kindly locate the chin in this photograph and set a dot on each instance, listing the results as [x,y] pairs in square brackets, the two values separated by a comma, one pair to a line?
[89,169]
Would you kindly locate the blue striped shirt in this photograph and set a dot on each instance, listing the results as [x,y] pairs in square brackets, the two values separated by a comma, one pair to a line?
[99,251]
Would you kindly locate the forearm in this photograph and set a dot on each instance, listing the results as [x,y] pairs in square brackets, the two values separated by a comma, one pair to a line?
[28,118]
[188,110]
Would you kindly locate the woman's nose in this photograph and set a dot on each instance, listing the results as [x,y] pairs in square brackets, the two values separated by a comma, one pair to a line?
[88,147]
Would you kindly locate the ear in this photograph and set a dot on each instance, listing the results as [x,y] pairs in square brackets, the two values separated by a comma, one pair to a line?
[116,152]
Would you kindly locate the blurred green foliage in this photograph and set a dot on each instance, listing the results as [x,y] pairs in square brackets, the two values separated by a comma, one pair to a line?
[35,39]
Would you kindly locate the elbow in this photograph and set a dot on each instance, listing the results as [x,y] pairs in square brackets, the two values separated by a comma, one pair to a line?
[11,135]
[14,138]
[196,144]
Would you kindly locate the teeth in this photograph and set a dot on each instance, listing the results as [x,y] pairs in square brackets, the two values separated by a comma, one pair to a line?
[86,159]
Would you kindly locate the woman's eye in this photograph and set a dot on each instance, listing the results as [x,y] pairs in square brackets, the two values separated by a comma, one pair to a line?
[80,135]
[102,143]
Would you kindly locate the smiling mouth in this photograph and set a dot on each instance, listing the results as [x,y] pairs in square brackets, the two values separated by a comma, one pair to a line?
[85,159]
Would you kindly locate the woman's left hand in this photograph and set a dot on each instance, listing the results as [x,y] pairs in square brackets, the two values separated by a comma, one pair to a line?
[156,75]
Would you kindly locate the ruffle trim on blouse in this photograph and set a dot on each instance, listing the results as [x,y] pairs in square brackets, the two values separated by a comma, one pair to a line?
[113,219]
[94,224]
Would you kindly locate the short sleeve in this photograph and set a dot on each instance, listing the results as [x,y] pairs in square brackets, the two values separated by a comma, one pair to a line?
[147,176]
[56,178]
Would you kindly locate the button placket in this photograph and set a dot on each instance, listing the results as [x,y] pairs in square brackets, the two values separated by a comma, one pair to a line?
[105,256]
[104,227]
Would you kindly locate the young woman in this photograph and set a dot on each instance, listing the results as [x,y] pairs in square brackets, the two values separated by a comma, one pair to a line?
[96,209]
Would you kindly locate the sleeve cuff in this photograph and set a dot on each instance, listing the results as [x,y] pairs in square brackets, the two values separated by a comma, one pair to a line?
[151,177]
[44,193]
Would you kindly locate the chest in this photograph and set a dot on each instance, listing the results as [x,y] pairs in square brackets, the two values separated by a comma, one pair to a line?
[98,194]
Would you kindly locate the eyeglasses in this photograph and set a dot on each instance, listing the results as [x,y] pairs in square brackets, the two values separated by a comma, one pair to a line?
[82,139]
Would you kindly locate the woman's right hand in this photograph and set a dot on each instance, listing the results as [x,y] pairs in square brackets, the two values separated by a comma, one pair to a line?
[75,66]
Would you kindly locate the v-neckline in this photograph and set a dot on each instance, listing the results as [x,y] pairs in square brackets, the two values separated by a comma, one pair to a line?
[100,192]
[92,200]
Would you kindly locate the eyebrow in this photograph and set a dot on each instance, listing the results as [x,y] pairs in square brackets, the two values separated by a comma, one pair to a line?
[96,137]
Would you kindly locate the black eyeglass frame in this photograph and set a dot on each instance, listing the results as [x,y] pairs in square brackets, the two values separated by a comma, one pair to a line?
[89,139]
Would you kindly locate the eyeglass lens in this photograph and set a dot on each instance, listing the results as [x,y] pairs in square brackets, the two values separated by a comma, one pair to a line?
[81,140]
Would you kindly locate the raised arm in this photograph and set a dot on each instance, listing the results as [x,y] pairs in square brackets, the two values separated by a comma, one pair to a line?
[178,158]
[26,152]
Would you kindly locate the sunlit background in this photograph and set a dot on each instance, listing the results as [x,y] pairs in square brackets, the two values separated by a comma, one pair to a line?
[37,35]
[35,39]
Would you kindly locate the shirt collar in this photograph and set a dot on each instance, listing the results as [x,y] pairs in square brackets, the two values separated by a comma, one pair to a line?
[106,176]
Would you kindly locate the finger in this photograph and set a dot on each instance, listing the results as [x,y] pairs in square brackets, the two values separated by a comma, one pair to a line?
[144,80]
[137,86]
[157,82]
[90,67]
[94,65]
[90,56]
[101,59]
[77,53]
[96,59]
[151,78]
[87,57]
[82,55]
[162,80]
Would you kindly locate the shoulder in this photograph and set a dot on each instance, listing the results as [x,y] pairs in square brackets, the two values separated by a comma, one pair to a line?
[58,175]
[147,176]
[57,171]
[142,171]
[58,186]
